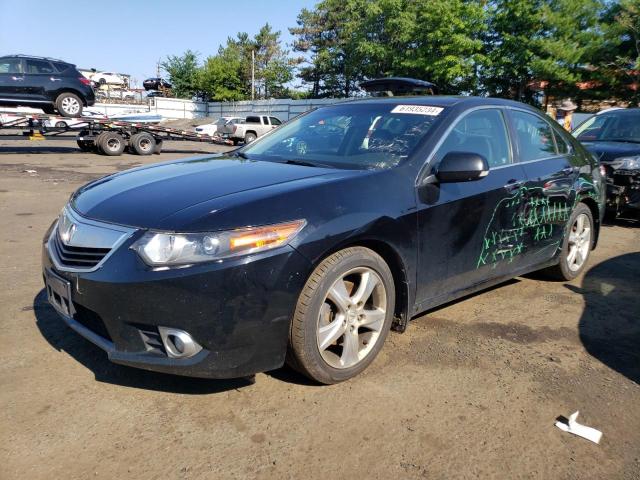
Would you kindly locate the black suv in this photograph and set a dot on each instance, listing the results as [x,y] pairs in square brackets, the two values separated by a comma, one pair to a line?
[46,83]
[155,84]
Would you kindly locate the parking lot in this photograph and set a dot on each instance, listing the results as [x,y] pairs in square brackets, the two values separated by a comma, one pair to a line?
[471,390]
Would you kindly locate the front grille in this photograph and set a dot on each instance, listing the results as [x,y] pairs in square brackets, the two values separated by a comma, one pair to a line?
[78,257]
[91,320]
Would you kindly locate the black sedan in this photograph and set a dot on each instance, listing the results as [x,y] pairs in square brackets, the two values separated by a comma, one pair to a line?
[614,138]
[155,83]
[311,243]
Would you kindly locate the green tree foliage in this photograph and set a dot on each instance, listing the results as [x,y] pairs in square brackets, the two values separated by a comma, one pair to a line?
[222,75]
[565,48]
[183,73]
[328,37]
[227,75]
[506,48]
[619,56]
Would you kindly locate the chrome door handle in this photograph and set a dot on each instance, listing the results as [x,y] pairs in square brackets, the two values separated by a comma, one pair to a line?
[512,185]
[17,79]
[54,79]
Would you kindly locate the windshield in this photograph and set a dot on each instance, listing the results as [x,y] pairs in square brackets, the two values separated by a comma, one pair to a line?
[356,136]
[618,126]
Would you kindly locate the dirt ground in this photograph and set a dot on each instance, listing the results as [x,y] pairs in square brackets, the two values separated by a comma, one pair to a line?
[471,390]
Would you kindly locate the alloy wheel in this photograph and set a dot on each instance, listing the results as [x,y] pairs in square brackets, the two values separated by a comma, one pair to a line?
[70,105]
[351,318]
[579,242]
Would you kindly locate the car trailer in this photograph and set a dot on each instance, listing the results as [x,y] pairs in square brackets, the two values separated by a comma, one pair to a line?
[104,136]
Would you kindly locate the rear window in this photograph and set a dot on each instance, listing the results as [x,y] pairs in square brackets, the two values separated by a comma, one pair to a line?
[253,120]
[61,66]
[360,136]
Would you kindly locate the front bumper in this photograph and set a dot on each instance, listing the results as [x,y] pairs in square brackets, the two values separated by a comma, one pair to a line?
[623,190]
[239,311]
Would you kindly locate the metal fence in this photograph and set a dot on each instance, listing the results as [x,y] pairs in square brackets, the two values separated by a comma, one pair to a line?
[284,109]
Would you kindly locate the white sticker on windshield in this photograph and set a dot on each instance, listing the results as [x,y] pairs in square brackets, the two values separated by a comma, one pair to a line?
[417,110]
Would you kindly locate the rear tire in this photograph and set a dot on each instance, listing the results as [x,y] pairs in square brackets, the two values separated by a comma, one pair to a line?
[343,316]
[112,144]
[69,105]
[61,124]
[142,143]
[576,245]
[97,143]
[249,137]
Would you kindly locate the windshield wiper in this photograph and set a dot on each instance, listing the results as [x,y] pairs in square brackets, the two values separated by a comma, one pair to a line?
[304,163]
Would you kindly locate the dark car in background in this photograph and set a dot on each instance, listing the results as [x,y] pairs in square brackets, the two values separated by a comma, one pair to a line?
[155,84]
[614,138]
[309,243]
[46,83]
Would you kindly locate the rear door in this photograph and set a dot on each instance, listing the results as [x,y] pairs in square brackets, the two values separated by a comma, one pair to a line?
[548,195]
[40,77]
[466,232]
[11,78]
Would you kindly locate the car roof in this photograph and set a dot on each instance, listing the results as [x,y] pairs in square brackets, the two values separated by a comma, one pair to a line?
[621,111]
[440,101]
[19,55]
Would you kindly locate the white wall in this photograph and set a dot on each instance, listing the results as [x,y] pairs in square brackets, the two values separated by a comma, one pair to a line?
[118,109]
[177,108]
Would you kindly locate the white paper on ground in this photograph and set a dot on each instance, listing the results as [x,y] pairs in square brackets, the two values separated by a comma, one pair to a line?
[578,429]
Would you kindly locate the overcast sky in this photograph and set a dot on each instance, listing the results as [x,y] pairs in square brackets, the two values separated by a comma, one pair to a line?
[131,36]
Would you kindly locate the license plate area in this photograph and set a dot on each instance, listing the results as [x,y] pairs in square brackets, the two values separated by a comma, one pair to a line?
[59,293]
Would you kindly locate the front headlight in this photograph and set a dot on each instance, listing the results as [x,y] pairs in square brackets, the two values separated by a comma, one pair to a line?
[626,163]
[166,249]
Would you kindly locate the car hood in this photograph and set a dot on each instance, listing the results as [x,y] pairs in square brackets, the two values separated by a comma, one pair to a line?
[143,197]
[609,151]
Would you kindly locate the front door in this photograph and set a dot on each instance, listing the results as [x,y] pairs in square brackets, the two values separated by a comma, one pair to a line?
[11,78]
[466,229]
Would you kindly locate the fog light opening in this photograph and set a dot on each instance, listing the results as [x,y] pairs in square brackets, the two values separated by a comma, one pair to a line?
[178,343]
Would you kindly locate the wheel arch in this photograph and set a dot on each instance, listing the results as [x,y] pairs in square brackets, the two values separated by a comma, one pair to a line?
[71,90]
[595,213]
[398,269]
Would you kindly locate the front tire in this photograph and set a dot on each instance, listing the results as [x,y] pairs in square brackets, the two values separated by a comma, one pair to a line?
[112,144]
[576,245]
[343,316]
[69,105]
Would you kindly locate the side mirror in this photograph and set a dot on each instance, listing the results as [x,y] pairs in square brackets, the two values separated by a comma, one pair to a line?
[462,167]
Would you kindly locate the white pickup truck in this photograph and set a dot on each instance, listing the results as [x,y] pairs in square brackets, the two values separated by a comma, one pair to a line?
[252,127]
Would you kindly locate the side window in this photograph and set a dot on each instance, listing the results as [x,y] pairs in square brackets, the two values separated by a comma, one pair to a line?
[265,121]
[39,66]
[562,145]
[10,65]
[253,120]
[534,136]
[275,121]
[483,132]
